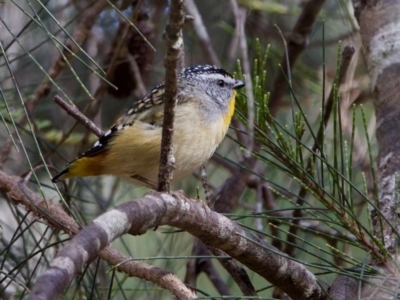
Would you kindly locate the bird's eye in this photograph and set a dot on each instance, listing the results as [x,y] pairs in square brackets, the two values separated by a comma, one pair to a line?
[221,83]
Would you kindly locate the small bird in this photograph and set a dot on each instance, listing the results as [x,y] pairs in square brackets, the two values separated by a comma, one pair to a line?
[205,103]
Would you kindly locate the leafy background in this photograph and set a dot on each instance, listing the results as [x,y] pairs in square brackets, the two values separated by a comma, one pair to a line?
[38,137]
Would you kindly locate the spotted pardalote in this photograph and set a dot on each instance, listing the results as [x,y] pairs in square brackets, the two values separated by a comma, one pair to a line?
[205,104]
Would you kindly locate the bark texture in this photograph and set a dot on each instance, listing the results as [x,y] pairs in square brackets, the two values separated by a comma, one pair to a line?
[379,26]
[155,209]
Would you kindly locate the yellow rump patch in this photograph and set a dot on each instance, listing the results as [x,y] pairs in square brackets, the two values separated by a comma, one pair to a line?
[85,166]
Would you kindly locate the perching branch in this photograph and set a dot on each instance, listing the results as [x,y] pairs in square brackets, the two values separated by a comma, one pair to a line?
[156,209]
[16,190]
[174,45]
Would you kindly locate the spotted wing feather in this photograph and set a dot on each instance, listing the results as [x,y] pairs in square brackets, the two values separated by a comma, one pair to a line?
[154,98]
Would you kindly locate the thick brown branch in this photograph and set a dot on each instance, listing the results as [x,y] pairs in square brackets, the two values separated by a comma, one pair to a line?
[344,288]
[174,44]
[14,189]
[157,209]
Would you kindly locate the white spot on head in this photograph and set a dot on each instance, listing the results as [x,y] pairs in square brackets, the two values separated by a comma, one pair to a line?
[119,127]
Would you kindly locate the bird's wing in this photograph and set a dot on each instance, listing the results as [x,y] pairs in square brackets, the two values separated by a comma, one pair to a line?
[149,110]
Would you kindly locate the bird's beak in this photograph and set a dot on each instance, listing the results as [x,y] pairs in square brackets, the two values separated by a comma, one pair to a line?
[238,84]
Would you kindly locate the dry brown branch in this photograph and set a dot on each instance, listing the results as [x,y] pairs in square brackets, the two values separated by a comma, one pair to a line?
[228,195]
[174,45]
[138,77]
[130,54]
[201,32]
[77,115]
[344,288]
[156,209]
[296,43]
[5,152]
[269,204]
[163,278]
[196,266]
[240,19]
[222,162]
[238,274]
[15,189]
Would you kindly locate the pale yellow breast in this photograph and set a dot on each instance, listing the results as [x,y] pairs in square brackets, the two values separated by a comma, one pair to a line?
[136,149]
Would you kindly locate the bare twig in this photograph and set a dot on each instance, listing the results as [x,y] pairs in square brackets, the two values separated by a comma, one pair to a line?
[222,162]
[163,278]
[174,45]
[205,265]
[269,204]
[238,274]
[198,265]
[297,42]
[240,19]
[231,190]
[77,115]
[201,32]
[138,77]
[346,58]
[228,196]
